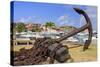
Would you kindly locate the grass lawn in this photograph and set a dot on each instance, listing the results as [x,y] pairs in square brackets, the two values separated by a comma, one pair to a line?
[80,56]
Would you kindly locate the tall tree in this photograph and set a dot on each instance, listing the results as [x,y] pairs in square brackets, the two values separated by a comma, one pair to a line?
[20,27]
[50,24]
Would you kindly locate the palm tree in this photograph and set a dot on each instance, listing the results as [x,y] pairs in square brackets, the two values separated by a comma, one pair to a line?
[50,24]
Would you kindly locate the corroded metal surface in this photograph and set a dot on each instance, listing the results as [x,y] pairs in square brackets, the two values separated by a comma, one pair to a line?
[44,48]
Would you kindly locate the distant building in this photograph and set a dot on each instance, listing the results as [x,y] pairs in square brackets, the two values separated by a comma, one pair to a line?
[30,26]
[44,28]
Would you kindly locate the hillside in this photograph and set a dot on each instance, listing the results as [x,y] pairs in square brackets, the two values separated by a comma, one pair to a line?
[67,28]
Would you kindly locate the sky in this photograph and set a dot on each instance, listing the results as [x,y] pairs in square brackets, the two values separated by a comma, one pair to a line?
[60,14]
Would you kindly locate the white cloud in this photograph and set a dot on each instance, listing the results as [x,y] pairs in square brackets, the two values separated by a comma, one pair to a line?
[26,19]
[29,18]
[21,20]
[63,18]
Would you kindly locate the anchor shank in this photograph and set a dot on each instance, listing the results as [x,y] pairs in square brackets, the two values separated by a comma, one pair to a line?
[72,33]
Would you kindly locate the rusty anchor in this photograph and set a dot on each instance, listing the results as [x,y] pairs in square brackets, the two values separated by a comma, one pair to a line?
[52,48]
[61,57]
[88,26]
